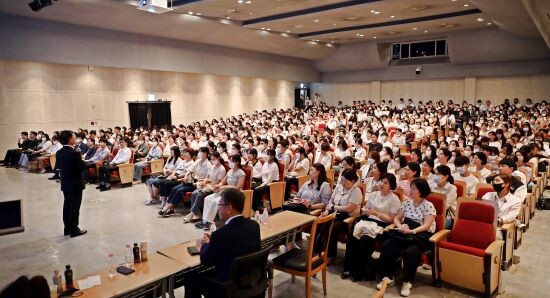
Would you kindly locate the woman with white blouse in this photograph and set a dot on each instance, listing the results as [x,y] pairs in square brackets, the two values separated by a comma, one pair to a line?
[443,184]
[298,167]
[206,187]
[314,194]
[255,164]
[270,173]
[478,169]
[381,209]
[410,172]
[415,219]
[345,201]
[233,179]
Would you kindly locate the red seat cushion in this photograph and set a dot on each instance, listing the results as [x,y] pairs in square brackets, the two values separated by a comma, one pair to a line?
[462,248]
[115,173]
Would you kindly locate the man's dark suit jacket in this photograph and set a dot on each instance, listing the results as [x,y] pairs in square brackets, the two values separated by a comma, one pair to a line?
[70,164]
[239,237]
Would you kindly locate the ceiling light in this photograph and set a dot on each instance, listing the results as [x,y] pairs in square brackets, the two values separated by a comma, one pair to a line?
[415,28]
[316,21]
[334,25]
[376,12]
[332,41]
[480,19]
[392,17]
[453,0]
[199,14]
[287,31]
[263,28]
[372,11]
[229,18]
[466,5]
[240,1]
[190,12]
[425,31]
[248,2]
[374,37]
[250,13]
[489,24]
[268,29]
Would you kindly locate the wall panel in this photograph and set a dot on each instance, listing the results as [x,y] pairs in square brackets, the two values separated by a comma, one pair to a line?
[43,96]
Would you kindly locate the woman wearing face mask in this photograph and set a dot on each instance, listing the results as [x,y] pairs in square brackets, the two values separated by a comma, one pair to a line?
[374,157]
[430,153]
[443,184]
[221,148]
[298,167]
[314,194]
[462,164]
[233,179]
[509,205]
[380,209]
[206,187]
[526,133]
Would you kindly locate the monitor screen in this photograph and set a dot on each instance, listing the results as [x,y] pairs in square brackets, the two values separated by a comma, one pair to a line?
[11,217]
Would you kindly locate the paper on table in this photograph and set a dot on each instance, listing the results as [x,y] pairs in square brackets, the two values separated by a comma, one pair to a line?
[89,282]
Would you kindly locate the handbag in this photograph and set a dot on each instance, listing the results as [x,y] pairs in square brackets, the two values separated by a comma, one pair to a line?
[422,239]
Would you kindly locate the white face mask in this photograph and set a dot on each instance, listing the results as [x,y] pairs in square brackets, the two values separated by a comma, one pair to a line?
[279,150]
[297,155]
[220,150]
[200,155]
[231,165]
[214,162]
[461,170]
[370,161]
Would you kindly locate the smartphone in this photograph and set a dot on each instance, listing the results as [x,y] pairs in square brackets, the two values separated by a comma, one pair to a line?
[124,270]
[192,250]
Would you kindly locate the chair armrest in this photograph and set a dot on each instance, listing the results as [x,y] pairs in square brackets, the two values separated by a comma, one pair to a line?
[507,227]
[441,235]
[351,220]
[494,248]
[125,165]
[316,212]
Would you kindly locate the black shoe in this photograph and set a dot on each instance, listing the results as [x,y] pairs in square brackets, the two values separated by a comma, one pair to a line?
[54,177]
[202,225]
[99,186]
[345,275]
[168,212]
[206,226]
[79,233]
[105,188]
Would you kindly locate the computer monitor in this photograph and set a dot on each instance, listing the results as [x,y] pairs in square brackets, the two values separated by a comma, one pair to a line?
[11,217]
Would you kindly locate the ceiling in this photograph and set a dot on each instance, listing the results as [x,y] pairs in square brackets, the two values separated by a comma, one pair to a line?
[307,29]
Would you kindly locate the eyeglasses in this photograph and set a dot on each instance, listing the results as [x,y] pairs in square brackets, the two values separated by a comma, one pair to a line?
[223,204]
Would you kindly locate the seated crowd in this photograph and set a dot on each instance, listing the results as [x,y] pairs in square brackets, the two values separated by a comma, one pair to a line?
[377,162]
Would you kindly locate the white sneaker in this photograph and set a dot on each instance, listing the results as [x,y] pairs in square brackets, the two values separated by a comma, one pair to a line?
[151,202]
[388,281]
[426,266]
[196,217]
[406,289]
[188,217]
[162,205]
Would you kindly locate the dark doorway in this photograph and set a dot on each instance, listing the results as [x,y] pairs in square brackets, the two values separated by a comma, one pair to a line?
[149,114]
[300,96]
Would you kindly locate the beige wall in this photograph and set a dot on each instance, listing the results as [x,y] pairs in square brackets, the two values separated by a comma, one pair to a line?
[42,96]
[496,89]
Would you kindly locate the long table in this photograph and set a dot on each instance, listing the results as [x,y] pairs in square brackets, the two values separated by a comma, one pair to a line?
[166,269]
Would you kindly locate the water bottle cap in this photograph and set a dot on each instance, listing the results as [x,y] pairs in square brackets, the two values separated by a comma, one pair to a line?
[110,255]
[67,266]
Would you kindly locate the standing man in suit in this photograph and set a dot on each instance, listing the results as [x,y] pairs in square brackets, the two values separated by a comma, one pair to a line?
[239,236]
[70,164]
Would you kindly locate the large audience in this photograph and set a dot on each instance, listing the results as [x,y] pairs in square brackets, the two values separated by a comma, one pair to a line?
[398,153]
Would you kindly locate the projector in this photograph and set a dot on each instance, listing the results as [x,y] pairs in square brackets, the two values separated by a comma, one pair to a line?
[155,6]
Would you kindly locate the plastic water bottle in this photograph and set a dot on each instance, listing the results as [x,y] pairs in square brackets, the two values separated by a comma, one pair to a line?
[265,217]
[257,217]
[128,257]
[112,266]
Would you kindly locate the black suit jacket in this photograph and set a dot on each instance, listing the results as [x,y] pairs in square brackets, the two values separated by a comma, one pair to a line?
[70,164]
[239,237]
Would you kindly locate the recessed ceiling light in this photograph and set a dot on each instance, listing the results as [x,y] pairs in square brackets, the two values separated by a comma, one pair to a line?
[190,12]
[376,12]
[453,0]
[425,31]
[198,13]
[250,13]
[332,41]
[316,21]
[263,28]
[480,19]
[240,1]
[374,37]
[268,29]
[333,24]
[372,11]
[392,17]
[466,5]
[287,31]
[415,28]
[489,24]
[248,2]
[229,18]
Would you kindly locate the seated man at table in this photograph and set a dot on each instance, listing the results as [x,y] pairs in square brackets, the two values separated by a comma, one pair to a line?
[239,236]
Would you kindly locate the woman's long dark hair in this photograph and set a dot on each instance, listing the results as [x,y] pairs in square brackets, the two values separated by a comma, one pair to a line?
[322,175]
[177,153]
